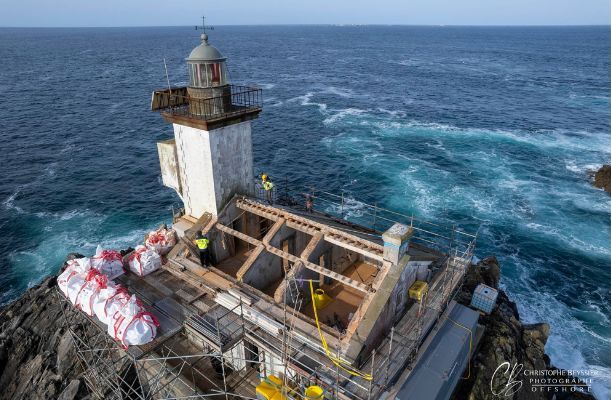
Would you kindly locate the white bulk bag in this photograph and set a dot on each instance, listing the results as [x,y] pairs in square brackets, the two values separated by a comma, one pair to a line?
[108,262]
[132,325]
[94,282]
[108,301]
[75,284]
[162,240]
[73,267]
[143,261]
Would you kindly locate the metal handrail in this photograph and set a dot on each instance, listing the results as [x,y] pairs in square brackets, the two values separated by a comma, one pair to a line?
[439,236]
[224,101]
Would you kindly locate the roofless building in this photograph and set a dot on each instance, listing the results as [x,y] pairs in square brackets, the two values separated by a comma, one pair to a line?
[296,304]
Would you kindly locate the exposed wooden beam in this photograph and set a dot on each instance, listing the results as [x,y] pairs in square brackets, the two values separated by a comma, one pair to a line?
[294,259]
[305,254]
[339,237]
[249,261]
[338,241]
[317,268]
[273,230]
[238,234]
[310,230]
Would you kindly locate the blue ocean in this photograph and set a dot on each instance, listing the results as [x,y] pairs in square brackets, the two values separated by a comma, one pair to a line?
[493,127]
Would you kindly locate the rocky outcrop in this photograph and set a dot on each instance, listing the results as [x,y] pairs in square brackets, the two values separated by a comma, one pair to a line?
[505,339]
[37,359]
[602,178]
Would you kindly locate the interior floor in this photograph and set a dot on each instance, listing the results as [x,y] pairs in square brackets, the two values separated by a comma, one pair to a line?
[346,301]
[361,271]
[232,265]
[270,289]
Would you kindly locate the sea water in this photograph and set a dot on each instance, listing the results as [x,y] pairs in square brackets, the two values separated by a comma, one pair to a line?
[496,128]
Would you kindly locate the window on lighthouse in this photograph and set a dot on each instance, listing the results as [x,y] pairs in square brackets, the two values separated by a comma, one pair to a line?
[207,75]
[215,74]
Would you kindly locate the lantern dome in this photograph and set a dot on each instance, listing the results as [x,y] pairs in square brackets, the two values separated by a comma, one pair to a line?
[207,68]
[205,53]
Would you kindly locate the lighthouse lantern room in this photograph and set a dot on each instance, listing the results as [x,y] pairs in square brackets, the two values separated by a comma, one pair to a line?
[210,157]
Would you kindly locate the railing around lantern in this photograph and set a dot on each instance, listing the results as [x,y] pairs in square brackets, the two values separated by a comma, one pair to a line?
[224,101]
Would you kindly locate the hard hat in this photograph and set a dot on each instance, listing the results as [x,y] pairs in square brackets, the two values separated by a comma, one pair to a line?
[264,176]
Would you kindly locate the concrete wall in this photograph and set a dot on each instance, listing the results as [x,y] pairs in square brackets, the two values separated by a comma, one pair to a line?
[342,258]
[222,246]
[299,272]
[232,161]
[283,233]
[214,165]
[168,161]
[394,308]
[322,247]
[302,239]
[265,270]
[299,242]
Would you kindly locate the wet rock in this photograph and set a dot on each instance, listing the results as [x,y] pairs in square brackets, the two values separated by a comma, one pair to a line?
[37,360]
[505,339]
[602,178]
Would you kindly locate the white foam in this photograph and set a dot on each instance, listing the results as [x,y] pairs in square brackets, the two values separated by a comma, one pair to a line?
[341,92]
[273,102]
[266,86]
[9,203]
[342,114]
[572,166]
[567,333]
[396,113]
[305,100]
[351,208]
[408,62]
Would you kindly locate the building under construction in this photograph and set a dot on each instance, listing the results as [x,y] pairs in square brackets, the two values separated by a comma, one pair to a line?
[298,302]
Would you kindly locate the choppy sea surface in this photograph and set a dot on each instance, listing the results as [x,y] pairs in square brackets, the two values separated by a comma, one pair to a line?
[497,126]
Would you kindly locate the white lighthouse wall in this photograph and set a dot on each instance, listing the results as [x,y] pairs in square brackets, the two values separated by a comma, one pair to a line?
[232,161]
[213,165]
[195,165]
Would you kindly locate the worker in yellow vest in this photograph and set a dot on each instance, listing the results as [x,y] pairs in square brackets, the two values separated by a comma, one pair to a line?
[268,185]
[202,243]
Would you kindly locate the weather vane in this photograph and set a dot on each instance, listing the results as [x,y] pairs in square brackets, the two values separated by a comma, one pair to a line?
[204,27]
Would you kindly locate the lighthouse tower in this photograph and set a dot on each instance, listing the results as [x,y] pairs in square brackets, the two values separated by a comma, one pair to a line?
[210,157]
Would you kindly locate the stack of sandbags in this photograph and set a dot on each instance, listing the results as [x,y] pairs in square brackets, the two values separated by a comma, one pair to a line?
[75,269]
[108,262]
[87,283]
[94,282]
[162,240]
[108,301]
[132,325]
[142,261]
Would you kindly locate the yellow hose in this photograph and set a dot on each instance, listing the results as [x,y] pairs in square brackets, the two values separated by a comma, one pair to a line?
[343,364]
[470,344]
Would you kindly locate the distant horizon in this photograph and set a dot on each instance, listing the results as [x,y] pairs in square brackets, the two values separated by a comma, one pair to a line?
[155,13]
[314,24]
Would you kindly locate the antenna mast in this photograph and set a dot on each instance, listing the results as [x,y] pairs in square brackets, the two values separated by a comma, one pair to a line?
[204,27]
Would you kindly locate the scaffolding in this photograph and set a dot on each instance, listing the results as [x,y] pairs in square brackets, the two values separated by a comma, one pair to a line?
[218,353]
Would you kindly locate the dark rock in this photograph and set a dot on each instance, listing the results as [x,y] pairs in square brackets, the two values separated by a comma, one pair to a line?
[70,256]
[602,178]
[505,339]
[36,360]
[66,355]
[71,391]
[126,251]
